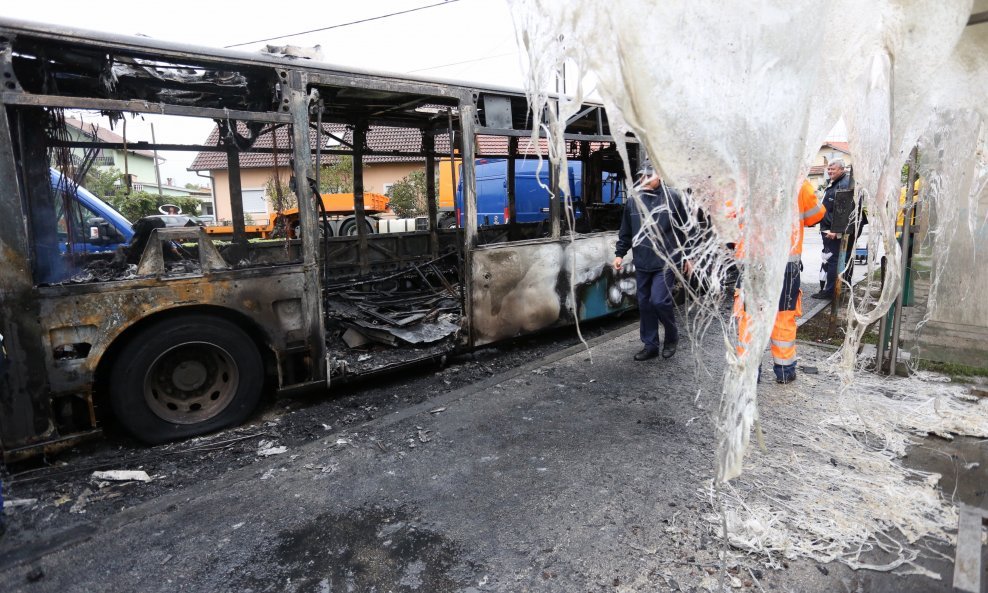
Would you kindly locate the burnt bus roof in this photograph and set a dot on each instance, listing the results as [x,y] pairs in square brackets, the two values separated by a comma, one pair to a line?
[180,74]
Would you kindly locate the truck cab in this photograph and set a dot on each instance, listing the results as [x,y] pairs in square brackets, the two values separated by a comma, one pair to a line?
[86,224]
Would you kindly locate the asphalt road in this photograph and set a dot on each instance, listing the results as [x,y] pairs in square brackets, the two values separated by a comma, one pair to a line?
[580,472]
[812,256]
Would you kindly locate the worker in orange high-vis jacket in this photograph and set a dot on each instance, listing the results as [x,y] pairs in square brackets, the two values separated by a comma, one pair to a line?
[811,212]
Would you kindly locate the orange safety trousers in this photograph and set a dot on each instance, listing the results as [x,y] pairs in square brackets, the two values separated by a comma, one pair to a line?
[791,300]
[783,342]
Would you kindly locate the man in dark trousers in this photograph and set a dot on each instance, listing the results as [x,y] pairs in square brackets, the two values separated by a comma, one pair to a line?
[656,249]
[840,179]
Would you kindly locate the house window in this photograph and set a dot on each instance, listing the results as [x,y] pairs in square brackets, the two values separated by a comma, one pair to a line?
[387,188]
[254,200]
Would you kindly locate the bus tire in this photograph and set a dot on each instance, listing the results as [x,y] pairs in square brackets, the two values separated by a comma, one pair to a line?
[186,376]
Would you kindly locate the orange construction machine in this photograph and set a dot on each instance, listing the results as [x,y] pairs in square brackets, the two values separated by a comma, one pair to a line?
[337,218]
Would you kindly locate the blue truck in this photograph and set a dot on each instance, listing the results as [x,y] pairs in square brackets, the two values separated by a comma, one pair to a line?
[86,224]
[531,199]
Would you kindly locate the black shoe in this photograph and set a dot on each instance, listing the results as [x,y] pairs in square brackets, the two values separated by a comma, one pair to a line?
[646,353]
[822,295]
[785,373]
[669,348]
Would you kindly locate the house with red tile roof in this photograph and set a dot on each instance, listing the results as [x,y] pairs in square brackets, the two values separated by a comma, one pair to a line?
[828,152]
[139,163]
[396,155]
[390,163]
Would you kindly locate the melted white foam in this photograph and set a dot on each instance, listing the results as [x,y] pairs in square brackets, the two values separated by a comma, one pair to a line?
[734,101]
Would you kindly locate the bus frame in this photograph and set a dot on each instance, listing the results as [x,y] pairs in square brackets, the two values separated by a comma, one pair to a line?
[65,340]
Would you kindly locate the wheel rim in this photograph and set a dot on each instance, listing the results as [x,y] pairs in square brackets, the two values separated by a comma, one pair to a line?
[191,382]
[352,229]
[323,231]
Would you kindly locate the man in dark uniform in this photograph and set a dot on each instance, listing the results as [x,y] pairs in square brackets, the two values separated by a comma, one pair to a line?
[840,179]
[656,249]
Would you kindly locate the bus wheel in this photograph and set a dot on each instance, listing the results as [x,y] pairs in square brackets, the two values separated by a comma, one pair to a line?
[186,376]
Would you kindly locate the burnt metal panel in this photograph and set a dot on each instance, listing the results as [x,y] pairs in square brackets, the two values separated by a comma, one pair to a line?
[311,294]
[153,261]
[497,112]
[18,98]
[24,403]
[106,310]
[55,350]
[431,197]
[468,123]
[528,134]
[385,251]
[236,191]
[523,287]
[389,85]
[359,210]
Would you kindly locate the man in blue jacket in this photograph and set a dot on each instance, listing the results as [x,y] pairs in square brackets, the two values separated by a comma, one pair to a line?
[656,248]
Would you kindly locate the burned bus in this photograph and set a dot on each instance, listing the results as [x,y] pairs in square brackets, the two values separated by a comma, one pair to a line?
[178,334]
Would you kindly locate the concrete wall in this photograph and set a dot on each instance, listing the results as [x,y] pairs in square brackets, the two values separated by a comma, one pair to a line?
[137,164]
[957,326]
[250,179]
[140,166]
[827,154]
[377,175]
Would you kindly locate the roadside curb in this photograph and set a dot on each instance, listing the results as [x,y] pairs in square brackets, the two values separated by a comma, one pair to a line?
[818,306]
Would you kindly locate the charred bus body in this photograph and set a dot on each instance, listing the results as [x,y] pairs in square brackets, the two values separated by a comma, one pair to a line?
[188,336]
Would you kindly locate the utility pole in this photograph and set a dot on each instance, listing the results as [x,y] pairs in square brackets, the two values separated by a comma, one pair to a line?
[126,164]
[157,170]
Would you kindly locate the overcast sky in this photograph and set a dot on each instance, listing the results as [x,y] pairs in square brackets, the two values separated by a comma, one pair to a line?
[470,40]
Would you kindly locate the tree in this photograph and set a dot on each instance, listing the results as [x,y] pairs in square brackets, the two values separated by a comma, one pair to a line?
[280,196]
[408,195]
[108,185]
[337,178]
[104,182]
[140,204]
[135,205]
[191,206]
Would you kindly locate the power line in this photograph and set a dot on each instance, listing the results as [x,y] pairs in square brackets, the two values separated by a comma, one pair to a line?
[374,18]
[513,53]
